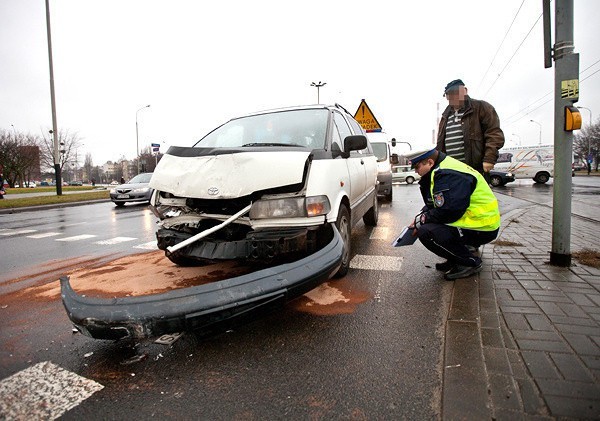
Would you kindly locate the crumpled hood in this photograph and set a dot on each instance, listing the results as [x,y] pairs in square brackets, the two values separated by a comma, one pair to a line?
[227,176]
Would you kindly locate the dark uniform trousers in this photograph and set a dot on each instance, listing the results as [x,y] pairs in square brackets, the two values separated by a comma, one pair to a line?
[451,242]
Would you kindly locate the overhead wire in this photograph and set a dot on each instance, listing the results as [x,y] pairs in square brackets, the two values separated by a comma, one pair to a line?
[549,93]
[500,46]
[514,54]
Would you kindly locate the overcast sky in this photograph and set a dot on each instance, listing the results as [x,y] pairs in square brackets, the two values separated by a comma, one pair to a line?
[200,63]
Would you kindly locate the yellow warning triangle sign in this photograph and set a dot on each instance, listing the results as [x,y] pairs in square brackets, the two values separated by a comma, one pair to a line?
[366,118]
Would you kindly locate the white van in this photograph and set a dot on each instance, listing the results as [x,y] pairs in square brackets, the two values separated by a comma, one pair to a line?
[381,149]
[536,162]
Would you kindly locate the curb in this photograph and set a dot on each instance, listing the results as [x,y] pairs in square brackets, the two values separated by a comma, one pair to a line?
[52,206]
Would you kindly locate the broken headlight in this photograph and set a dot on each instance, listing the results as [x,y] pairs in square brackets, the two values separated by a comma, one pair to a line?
[291,207]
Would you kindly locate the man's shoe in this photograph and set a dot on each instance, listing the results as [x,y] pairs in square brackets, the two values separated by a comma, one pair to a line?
[444,266]
[458,271]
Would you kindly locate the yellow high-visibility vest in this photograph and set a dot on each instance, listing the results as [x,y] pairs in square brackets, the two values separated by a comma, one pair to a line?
[483,213]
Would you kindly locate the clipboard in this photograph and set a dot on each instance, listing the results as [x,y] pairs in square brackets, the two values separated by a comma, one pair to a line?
[405,238]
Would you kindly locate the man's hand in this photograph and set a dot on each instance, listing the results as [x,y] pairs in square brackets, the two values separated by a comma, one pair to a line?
[488,166]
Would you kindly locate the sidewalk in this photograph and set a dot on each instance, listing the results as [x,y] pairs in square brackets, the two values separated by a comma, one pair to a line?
[523,337]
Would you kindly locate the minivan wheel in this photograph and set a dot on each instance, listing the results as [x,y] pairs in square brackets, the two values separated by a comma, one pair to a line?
[410,180]
[370,218]
[541,177]
[344,227]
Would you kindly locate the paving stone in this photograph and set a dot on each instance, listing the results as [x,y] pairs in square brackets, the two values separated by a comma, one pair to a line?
[516,321]
[547,285]
[539,322]
[571,367]
[539,365]
[503,392]
[517,365]
[536,335]
[582,345]
[573,328]
[538,345]
[573,408]
[489,319]
[579,321]
[520,309]
[553,387]
[521,303]
[496,361]
[551,309]
[491,337]
[533,404]
[488,305]
[572,310]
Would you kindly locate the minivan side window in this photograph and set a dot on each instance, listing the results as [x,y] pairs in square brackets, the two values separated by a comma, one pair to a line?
[342,127]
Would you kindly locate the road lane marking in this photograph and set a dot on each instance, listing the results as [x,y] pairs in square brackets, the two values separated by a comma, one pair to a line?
[390,263]
[43,391]
[152,245]
[16,232]
[77,237]
[379,233]
[115,240]
[44,235]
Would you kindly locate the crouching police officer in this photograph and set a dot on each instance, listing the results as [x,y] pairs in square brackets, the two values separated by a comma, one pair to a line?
[460,213]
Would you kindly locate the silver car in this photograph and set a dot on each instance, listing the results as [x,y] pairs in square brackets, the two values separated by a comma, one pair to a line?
[136,190]
[402,173]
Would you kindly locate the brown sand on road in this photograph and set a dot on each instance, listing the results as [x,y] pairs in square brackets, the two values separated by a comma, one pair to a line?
[153,273]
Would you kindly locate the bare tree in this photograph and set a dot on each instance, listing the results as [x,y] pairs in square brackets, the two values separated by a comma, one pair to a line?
[69,143]
[587,142]
[88,167]
[19,157]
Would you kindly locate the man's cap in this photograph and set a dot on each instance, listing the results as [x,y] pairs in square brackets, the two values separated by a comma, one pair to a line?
[453,85]
[418,156]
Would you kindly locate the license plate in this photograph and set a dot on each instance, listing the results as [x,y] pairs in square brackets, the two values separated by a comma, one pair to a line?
[122,196]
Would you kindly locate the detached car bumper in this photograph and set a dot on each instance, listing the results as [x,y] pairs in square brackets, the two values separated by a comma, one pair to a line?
[204,306]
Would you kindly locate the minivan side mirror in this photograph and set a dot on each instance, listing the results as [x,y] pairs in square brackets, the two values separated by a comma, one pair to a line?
[354,143]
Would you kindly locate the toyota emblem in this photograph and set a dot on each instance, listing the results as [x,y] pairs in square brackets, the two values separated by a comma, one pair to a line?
[213,191]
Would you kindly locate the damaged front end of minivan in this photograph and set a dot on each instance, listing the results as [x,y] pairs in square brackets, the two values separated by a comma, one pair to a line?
[214,207]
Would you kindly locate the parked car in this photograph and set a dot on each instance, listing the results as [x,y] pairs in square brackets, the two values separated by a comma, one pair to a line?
[75,183]
[403,173]
[136,190]
[500,178]
[579,166]
[280,188]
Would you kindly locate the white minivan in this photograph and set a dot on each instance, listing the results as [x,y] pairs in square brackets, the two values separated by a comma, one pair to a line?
[278,191]
[535,162]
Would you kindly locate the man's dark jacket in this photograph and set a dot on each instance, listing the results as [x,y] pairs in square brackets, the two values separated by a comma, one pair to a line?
[481,132]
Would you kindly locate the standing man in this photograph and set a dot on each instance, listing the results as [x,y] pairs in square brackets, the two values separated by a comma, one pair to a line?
[460,213]
[469,129]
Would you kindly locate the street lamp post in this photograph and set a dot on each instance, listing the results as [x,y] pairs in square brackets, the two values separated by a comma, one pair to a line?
[137,142]
[318,85]
[589,137]
[533,121]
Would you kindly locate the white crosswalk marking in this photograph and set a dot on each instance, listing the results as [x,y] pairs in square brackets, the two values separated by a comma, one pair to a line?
[147,246]
[43,391]
[44,235]
[15,232]
[115,240]
[77,237]
[391,263]
[379,233]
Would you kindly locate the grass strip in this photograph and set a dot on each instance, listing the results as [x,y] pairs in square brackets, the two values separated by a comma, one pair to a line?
[51,200]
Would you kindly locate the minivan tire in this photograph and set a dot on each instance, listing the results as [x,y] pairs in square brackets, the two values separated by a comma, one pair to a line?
[344,226]
[541,177]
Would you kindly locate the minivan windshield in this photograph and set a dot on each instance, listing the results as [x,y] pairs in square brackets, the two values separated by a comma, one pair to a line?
[304,128]
[380,150]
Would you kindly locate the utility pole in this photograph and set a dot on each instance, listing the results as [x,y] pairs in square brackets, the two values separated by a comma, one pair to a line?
[54,130]
[566,93]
